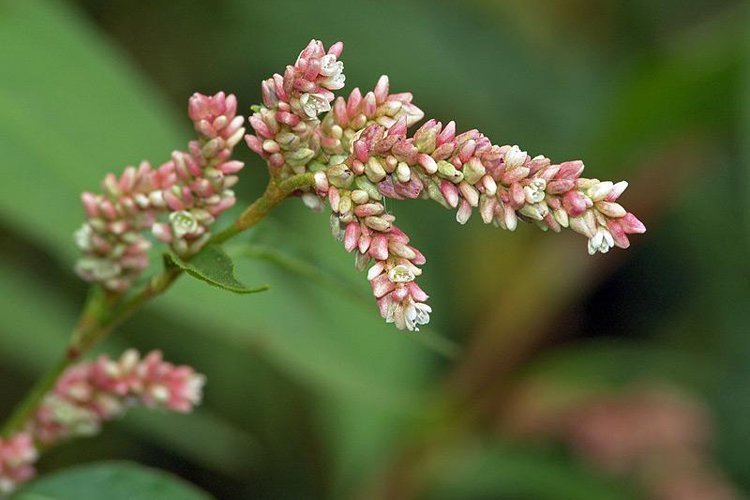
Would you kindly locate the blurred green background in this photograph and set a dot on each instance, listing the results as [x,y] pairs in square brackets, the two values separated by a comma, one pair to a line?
[309,394]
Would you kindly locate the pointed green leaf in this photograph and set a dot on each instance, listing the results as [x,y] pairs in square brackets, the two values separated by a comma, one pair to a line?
[213,266]
[111,480]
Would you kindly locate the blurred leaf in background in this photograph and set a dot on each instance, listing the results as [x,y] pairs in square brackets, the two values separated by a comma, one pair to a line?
[309,394]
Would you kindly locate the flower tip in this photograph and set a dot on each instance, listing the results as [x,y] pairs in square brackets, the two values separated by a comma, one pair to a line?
[336,49]
[632,225]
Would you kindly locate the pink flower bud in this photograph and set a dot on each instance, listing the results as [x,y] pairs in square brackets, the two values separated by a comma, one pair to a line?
[355,99]
[631,225]
[427,162]
[570,170]
[370,105]
[450,193]
[575,203]
[340,112]
[381,89]
[464,212]
[448,134]
[336,49]
[381,285]
[617,190]
[379,247]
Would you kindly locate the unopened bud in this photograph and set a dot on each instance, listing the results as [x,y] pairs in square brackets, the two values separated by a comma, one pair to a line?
[340,176]
[374,170]
[448,171]
[378,224]
[473,170]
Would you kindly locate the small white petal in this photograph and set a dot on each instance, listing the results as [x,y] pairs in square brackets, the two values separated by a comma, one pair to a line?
[514,158]
[401,274]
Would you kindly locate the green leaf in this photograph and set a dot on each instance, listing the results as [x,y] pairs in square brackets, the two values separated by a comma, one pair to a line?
[111,480]
[213,266]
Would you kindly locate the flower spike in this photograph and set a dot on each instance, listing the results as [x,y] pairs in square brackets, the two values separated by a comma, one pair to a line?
[188,193]
[361,153]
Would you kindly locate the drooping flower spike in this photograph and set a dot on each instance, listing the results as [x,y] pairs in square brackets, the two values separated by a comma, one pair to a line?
[360,153]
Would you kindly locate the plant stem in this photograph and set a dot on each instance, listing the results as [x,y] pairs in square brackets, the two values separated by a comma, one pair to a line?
[97,302]
[104,311]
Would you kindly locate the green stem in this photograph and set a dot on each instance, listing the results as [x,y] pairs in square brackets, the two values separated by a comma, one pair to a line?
[97,304]
[104,311]
[28,406]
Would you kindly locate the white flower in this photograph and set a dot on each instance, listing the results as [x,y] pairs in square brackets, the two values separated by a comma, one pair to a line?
[329,66]
[401,274]
[602,241]
[537,211]
[333,70]
[334,82]
[314,104]
[183,222]
[534,190]
[83,237]
[417,314]
[514,158]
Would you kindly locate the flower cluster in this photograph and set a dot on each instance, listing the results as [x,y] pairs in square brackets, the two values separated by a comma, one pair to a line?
[193,188]
[286,125]
[90,393]
[17,456]
[361,153]
[115,250]
[351,115]
[204,175]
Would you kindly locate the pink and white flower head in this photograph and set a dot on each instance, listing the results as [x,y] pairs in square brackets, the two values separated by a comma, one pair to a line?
[205,174]
[286,126]
[17,456]
[360,152]
[350,116]
[464,172]
[114,249]
[90,393]
[307,85]
[162,384]
[192,189]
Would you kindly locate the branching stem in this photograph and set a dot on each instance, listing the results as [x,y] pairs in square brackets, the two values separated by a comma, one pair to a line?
[104,311]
